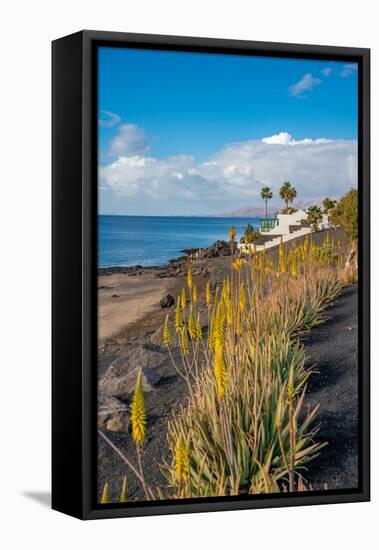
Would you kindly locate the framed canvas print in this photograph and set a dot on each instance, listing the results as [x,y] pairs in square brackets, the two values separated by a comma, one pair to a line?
[210,274]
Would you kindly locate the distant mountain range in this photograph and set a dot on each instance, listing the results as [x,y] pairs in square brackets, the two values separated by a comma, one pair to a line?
[260,212]
[247,212]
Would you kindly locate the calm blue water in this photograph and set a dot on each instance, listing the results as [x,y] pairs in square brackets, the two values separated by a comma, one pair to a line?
[153,240]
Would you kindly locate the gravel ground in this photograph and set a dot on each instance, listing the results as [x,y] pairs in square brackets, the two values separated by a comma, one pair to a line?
[160,404]
[333,346]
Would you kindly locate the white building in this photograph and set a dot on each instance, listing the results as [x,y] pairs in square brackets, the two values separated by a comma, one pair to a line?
[284,223]
[283,227]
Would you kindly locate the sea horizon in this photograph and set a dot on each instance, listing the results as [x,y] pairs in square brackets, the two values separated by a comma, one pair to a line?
[180,216]
[155,240]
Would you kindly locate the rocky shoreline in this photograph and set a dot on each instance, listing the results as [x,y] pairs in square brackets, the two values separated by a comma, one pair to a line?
[176,267]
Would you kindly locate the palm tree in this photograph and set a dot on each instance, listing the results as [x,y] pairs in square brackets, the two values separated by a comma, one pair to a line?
[287,193]
[250,235]
[328,205]
[266,195]
[314,217]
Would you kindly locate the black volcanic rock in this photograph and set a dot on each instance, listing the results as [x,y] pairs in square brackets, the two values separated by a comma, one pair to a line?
[218,248]
[167,301]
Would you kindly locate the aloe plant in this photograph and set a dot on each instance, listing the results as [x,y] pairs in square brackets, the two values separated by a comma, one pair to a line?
[244,424]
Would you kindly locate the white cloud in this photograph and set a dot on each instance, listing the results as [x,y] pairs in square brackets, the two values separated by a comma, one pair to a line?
[108,119]
[327,71]
[284,138]
[230,178]
[129,140]
[305,84]
[349,69]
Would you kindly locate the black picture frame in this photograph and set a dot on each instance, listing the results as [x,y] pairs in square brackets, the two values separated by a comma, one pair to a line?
[74,272]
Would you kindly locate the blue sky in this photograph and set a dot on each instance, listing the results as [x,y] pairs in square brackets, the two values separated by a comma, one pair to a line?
[167,117]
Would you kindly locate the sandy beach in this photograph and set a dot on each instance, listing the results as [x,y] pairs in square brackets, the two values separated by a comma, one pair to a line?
[123,300]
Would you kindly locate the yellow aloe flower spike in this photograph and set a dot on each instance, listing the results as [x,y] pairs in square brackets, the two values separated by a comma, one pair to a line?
[138,412]
[237,264]
[194,295]
[123,496]
[232,238]
[166,333]
[191,325]
[208,297]
[212,331]
[260,261]
[220,324]
[189,278]
[281,248]
[232,233]
[184,342]
[220,370]
[105,494]
[227,287]
[305,249]
[181,462]
[178,317]
[229,313]
[242,301]
[283,264]
[293,267]
[224,291]
[183,299]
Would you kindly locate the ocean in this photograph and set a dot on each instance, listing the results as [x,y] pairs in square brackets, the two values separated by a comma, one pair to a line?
[153,240]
